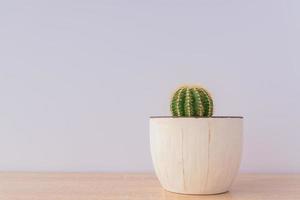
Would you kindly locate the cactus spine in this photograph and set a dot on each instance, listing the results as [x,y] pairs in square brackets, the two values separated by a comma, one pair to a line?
[191,102]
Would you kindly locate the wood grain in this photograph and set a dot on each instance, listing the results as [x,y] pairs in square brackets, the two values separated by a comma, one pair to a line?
[196,155]
[99,186]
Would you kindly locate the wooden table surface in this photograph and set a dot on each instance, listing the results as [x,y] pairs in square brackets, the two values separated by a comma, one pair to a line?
[100,186]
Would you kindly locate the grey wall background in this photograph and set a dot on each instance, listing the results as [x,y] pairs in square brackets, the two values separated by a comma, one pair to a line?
[79,79]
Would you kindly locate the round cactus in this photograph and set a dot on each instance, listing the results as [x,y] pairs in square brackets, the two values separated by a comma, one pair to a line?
[191,102]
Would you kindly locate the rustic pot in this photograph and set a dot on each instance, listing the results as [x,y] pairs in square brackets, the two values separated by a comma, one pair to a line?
[196,155]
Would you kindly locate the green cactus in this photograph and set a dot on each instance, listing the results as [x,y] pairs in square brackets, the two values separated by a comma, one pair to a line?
[191,102]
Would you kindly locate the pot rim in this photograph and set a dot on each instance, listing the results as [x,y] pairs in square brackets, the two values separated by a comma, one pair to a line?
[238,117]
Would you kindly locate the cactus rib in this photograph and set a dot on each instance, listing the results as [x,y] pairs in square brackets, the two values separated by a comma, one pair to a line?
[191,102]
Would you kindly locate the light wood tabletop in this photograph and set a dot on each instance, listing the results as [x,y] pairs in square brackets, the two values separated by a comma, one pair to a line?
[102,186]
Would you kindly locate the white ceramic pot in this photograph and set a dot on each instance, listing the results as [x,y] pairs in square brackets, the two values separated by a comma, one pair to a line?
[196,155]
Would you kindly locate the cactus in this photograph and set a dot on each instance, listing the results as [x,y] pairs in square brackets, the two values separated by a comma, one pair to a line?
[191,102]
